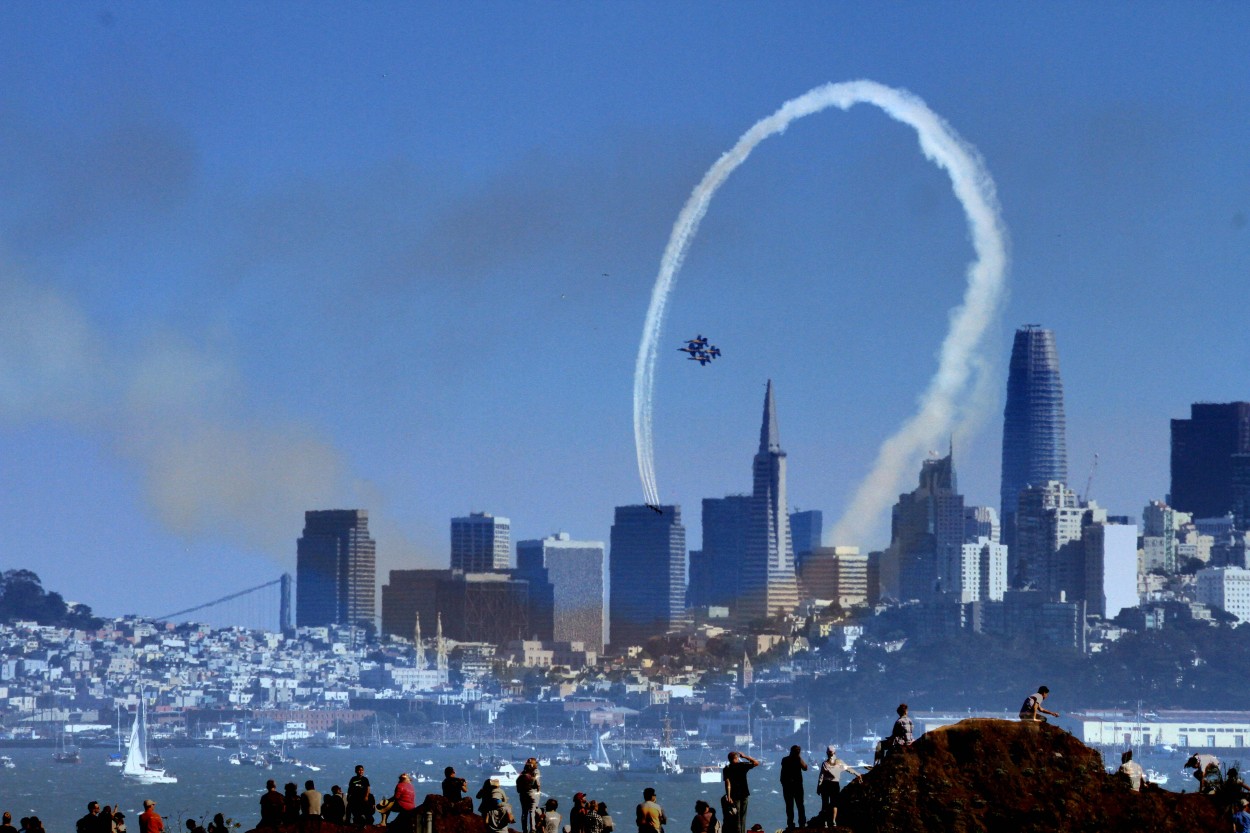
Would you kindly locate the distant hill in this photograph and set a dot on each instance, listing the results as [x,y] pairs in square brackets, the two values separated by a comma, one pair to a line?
[22,598]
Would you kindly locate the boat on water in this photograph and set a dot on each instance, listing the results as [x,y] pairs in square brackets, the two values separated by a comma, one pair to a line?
[7,762]
[1154,776]
[505,774]
[66,753]
[599,760]
[711,774]
[137,766]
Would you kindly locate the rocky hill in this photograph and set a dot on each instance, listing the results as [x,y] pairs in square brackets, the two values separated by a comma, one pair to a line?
[997,776]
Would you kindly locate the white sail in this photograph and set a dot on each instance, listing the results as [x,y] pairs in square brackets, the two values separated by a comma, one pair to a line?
[137,749]
[136,766]
[599,757]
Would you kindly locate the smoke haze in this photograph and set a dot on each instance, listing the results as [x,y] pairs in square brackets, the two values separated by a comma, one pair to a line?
[960,383]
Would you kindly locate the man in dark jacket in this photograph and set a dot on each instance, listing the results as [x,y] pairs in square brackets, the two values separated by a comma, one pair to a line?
[792,768]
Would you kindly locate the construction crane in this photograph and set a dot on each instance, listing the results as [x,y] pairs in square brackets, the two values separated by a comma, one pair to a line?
[1089,481]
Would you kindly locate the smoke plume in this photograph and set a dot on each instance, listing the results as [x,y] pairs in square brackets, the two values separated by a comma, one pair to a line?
[960,364]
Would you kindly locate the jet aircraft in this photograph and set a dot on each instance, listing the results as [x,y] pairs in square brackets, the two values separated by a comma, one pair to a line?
[699,350]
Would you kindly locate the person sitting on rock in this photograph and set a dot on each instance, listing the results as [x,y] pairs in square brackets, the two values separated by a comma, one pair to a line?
[1032,708]
[901,736]
[1207,772]
[1132,771]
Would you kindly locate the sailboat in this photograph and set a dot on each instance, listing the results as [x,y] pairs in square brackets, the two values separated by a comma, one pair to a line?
[137,767]
[599,760]
[66,753]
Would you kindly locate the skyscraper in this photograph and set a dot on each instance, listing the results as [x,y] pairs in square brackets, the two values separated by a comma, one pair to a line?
[576,572]
[926,534]
[768,586]
[647,570]
[336,563]
[1206,451]
[480,542]
[806,529]
[1035,446]
[716,569]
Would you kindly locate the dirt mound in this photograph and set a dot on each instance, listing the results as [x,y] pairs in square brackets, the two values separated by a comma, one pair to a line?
[998,776]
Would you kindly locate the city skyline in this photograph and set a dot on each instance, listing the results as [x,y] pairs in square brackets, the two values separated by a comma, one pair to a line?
[257,263]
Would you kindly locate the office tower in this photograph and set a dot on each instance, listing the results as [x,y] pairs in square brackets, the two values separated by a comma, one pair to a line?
[1048,555]
[980,574]
[1110,567]
[1160,526]
[981,522]
[1226,588]
[768,585]
[806,529]
[480,543]
[1034,442]
[647,574]
[1203,450]
[926,534]
[716,569]
[335,569]
[835,574]
[576,571]
[409,595]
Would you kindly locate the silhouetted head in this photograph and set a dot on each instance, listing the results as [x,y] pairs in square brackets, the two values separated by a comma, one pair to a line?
[648,793]
[551,804]
[308,785]
[449,772]
[1127,756]
[1044,691]
[796,750]
[902,709]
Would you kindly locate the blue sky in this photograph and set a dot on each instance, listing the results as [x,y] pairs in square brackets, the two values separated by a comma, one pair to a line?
[258,258]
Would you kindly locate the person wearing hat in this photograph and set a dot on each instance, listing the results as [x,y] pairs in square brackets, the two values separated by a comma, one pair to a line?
[150,821]
[828,784]
[1241,818]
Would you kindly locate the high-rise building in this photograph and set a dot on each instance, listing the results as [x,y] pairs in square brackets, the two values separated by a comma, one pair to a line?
[980,574]
[336,564]
[806,529]
[1161,525]
[410,595]
[835,574]
[1226,588]
[1110,567]
[1049,555]
[576,571]
[716,569]
[768,586]
[981,522]
[647,574]
[1203,451]
[1034,440]
[481,542]
[926,534]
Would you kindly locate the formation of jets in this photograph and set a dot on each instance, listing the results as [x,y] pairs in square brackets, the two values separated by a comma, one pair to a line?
[700,351]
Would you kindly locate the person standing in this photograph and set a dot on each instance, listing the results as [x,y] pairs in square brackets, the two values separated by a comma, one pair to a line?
[528,789]
[792,768]
[150,821]
[829,784]
[6,826]
[734,777]
[1032,708]
[649,814]
[359,798]
[94,821]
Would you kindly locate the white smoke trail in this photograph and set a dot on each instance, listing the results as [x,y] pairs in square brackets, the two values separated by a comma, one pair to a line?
[959,359]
